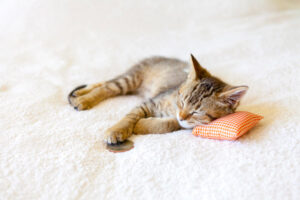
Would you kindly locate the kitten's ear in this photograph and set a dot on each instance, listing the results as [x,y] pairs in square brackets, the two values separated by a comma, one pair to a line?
[199,72]
[233,95]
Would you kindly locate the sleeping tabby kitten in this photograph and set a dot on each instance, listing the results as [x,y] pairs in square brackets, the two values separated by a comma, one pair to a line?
[175,99]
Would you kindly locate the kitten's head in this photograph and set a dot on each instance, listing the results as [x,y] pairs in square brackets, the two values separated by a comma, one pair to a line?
[203,98]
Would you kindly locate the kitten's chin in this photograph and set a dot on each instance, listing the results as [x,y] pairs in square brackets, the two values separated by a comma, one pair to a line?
[185,124]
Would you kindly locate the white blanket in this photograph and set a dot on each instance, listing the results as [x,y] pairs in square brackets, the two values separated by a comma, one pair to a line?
[50,151]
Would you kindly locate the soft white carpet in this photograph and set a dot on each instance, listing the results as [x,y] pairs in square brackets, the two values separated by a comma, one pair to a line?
[50,151]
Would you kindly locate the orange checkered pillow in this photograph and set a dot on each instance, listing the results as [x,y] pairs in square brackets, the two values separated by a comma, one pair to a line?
[229,127]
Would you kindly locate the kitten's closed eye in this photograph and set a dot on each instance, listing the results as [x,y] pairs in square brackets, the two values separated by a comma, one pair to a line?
[208,115]
[211,117]
[195,113]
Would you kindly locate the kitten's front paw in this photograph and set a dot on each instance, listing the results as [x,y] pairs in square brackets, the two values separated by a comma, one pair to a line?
[113,136]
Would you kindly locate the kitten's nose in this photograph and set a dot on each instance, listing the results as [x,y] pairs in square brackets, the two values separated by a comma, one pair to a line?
[183,115]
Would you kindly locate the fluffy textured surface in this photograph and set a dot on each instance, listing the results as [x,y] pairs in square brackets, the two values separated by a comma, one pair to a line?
[50,151]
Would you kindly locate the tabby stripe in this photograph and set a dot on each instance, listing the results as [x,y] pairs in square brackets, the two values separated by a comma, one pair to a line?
[139,80]
[198,106]
[133,81]
[196,86]
[124,85]
[128,84]
[145,113]
[147,107]
[159,107]
[194,98]
[152,102]
[207,95]
[185,97]
[119,86]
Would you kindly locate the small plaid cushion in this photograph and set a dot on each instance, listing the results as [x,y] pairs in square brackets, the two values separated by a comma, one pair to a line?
[229,127]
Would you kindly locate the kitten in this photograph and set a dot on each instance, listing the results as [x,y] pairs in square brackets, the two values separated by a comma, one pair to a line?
[175,99]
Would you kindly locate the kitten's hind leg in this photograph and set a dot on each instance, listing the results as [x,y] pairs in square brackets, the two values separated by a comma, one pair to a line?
[156,125]
[85,97]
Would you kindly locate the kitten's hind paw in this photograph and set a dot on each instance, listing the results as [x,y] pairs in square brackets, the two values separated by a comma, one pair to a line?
[75,99]
[85,97]
[74,92]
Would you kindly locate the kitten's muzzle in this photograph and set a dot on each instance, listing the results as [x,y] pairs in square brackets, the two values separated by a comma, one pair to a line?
[183,115]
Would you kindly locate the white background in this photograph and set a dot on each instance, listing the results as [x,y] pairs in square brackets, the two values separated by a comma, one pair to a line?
[50,151]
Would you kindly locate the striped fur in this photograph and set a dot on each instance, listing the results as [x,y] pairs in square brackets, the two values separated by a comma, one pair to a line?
[174,98]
